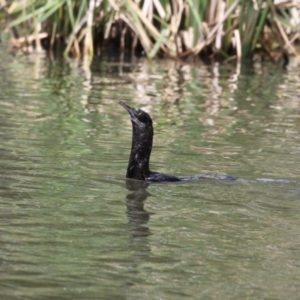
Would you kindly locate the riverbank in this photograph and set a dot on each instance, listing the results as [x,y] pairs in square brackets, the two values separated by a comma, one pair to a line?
[179,29]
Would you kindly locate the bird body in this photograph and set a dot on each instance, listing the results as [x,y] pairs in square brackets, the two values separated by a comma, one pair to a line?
[141,147]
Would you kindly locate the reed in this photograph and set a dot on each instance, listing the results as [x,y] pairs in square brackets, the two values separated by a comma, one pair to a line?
[173,28]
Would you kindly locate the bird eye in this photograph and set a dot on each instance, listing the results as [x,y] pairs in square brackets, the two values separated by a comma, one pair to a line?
[138,111]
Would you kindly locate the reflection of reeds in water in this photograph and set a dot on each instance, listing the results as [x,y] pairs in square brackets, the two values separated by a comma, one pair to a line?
[175,28]
[178,89]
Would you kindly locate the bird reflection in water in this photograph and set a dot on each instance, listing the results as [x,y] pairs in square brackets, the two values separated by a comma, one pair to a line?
[135,201]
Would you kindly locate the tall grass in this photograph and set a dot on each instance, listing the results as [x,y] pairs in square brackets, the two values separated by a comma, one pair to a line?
[174,28]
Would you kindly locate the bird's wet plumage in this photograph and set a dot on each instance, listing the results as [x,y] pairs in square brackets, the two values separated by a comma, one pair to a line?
[142,140]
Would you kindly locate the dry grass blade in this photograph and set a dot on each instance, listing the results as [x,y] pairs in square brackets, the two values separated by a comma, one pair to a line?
[88,42]
[211,34]
[287,45]
[136,11]
[175,28]
[221,13]
[238,44]
[131,19]
[76,27]
[159,8]
[155,49]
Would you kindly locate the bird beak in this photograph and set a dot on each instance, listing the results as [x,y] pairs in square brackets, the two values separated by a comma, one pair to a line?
[130,110]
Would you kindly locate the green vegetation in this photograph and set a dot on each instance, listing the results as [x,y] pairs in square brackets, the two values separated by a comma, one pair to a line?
[173,28]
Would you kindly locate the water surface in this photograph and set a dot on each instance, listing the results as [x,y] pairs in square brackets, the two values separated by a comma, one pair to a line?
[70,229]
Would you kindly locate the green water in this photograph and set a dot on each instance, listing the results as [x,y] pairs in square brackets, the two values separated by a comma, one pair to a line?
[70,229]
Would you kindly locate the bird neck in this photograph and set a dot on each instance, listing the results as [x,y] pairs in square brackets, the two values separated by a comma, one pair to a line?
[138,166]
